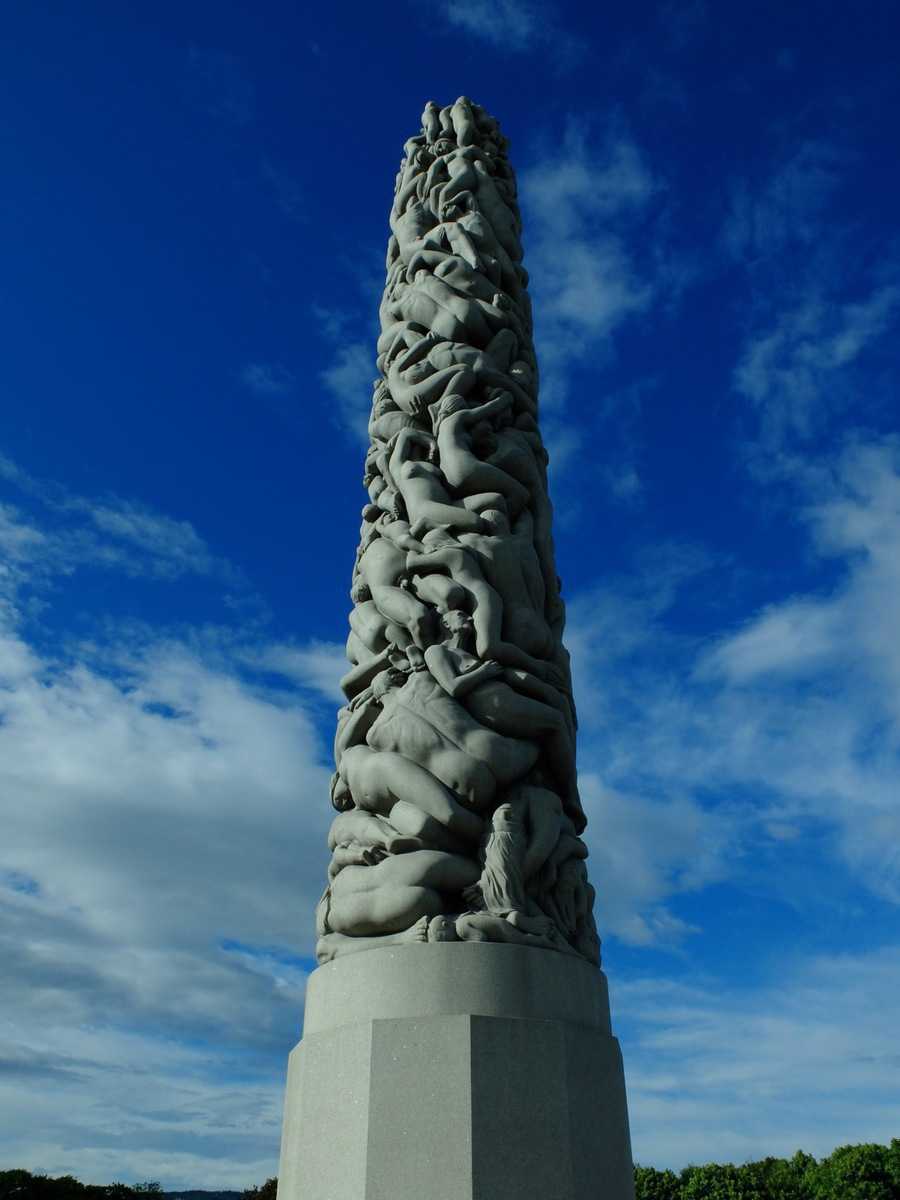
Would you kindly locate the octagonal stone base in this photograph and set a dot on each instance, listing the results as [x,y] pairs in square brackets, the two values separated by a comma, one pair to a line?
[456,1071]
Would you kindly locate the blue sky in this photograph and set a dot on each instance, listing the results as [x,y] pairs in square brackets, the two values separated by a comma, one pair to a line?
[195,219]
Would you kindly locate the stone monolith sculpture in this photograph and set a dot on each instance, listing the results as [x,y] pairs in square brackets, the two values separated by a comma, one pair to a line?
[456,1038]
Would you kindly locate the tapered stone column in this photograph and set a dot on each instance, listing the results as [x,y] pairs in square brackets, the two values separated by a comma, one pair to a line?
[456,1041]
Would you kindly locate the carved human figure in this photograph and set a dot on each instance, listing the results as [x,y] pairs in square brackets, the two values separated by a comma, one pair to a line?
[423,487]
[454,421]
[432,303]
[422,722]
[507,700]
[410,797]
[511,565]
[357,828]
[415,383]
[443,553]
[392,894]
[379,571]
[416,358]
[501,909]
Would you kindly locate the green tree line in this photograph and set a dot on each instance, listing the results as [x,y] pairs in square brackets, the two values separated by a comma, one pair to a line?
[22,1185]
[865,1172]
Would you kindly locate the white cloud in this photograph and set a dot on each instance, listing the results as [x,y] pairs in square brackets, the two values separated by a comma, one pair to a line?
[802,1060]
[512,25]
[644,851]
[286,188]
[587,281]
[164,848]
[788,210]
[319,665]
[163,814]
[349,381]
[791,722]
[790,638]
[268,379]
[108,532]
[600,255]
[792,371]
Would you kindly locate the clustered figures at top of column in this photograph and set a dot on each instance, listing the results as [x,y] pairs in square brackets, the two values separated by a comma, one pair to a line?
[458,809]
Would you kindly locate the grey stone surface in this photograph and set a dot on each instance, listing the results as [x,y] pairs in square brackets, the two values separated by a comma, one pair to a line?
[459,1057]
[456,978]
[455,770]
[506,1086]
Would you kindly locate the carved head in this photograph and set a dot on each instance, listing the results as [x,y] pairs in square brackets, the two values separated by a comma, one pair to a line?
[453,403]
[458,624]
[340,794]
[495,520]
[359,593]
[384,681]
[422,157]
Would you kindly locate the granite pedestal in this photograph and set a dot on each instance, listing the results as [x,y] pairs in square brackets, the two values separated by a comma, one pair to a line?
[456,1071]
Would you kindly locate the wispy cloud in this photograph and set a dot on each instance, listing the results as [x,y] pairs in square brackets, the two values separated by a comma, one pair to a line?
[286,188]
[512,25]
[735,1073]
[787,209]
[794,371]
[580,205]
[317,665]
[349,382]
[105,532]
[789,723]
[160,866]
[268,379]
[586,278]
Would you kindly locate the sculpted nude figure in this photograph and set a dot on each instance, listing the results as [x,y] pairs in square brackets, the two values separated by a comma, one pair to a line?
[390,897]
[368,632]
[387,418]
[467,169]
[413,800]
[511,565]
[494,367]
[379,571]
[462,231]
[443,553]
[454,422]
[457,273]
[464,122]
[431,124]
[360,839]
[423,488]
[416,358]
[431,303]
[421,722]
[508,701]
[414,175]
[415,382]
[355,827]
[502,909]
